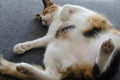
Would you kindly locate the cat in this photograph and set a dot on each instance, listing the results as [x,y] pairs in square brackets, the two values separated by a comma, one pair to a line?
[81,44]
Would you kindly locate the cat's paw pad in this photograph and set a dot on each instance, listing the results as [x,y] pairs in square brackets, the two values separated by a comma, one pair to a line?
[107,46]
[23,68]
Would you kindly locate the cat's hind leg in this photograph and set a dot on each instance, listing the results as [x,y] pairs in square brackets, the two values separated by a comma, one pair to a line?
[35,72]
[105,56]
[9,68]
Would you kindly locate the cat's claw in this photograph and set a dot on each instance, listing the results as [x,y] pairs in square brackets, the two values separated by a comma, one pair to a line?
[23,68]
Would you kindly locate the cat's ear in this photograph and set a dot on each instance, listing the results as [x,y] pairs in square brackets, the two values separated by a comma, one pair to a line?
[47,3]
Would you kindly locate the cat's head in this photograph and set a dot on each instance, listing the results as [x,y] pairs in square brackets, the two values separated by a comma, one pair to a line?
[48,13]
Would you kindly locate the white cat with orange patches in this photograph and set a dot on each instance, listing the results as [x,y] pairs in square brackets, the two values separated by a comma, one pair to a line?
[81,45]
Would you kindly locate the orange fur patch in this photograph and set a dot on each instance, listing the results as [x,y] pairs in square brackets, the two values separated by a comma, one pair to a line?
[77,71]
[97,23]
[49,9]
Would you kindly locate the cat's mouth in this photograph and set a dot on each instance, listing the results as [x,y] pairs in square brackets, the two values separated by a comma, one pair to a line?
[44,22]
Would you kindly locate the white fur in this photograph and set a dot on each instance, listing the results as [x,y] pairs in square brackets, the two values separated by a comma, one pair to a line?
[63,53]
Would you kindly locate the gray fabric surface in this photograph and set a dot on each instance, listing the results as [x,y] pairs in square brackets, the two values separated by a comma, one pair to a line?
[17,25]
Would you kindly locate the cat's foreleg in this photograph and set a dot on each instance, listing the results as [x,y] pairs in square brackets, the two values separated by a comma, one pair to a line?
[9,68]
[41,42]
[20,48]
[34,72]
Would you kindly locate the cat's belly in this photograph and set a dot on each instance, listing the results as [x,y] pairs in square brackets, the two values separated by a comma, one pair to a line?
[68,53]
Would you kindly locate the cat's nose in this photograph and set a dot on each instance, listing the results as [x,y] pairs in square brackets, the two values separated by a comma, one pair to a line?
[37,14]
[38,17]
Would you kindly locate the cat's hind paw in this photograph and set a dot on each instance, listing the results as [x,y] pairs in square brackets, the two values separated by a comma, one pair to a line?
[24,68]
[107,46]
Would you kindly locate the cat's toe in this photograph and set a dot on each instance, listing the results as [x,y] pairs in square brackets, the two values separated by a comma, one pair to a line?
[19,49]
[22,69]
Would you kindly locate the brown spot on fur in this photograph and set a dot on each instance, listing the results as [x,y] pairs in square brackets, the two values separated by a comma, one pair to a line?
[49,9]
[77,72]
[62,33]
[97,24]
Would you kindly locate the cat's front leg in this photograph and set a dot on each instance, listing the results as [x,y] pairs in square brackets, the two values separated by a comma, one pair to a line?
[20,48]
[34,72]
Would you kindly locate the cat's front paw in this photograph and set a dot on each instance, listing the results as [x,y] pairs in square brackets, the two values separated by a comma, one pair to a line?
[20,48]
[24,68]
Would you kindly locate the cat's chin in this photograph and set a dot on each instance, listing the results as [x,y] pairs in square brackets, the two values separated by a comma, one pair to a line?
[45,25]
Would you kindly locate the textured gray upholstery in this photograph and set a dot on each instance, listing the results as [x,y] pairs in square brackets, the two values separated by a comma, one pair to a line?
[17,25]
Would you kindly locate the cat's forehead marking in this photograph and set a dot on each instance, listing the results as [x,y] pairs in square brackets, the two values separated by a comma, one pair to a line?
[96,24]
[49,9]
